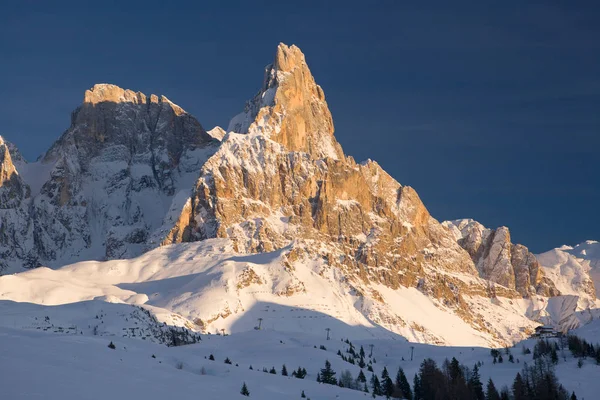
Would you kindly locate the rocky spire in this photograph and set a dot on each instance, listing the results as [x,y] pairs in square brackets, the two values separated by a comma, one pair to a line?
[291,108]
[499,260]
[12,188]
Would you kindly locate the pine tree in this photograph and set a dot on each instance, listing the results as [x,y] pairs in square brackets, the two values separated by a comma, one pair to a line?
[361,362]
[111,345]
[284,371]
[328,374]
[491,392]
[273,371]
[244,390]
[361,352]
[518,389]
[366,388]
[402,385]
[227,360]
[573,397]
[384,374]
[375,385]
[361,376]
[417,388]
[318,377]
[303,395]
[211,357]
[554,356]
[387,385]
[250,367]
[475,384]
[455,372]
[300,373]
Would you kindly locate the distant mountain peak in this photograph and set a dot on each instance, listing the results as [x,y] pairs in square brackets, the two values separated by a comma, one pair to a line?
[109,93]
[104,92]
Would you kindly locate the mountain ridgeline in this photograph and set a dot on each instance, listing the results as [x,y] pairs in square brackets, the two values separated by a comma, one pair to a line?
[136,172]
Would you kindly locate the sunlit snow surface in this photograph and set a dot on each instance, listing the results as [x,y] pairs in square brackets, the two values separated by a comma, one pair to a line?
[57,348]
[206,283]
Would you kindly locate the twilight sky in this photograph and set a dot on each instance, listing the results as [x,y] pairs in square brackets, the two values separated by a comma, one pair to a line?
[491,111]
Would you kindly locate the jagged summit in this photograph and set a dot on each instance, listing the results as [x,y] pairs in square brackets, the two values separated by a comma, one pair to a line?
[288,57]
[499,260]
[290,108]
[106,92]
[102,92]
[105,187]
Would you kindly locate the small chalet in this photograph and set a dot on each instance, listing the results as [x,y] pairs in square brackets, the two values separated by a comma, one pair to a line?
[544,331]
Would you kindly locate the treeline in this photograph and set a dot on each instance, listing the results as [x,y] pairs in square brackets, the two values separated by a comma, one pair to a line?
[582,349]
[455,381]
[398,388]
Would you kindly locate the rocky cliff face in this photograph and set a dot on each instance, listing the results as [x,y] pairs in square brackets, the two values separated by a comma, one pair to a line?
[12,188]
[499,260]
[110,182]
[134,172]
[14,214]
[290,109]
[278,183]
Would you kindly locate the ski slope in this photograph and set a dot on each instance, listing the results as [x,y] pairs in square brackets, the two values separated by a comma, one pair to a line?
[213,288]
[70,367]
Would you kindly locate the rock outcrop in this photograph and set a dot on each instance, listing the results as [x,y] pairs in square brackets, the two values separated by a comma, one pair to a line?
[290,109]
[15,230]
[12,188]
[499,260]
[106,187]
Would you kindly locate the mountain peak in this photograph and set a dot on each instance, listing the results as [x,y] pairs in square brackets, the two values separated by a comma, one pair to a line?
[109,93]
[105,92]
[290,108]
[288,57]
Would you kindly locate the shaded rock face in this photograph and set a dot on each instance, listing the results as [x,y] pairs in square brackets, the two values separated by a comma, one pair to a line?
[12,188]
[14,215]
[499,260]
[126,163]
[115,125]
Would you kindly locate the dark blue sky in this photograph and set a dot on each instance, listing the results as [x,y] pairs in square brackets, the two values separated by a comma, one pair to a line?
[491,111]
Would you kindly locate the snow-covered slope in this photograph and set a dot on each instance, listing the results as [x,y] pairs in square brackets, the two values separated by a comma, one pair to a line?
[216,288]
[589,254]
[103,317]
[574,270]
[79,367]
